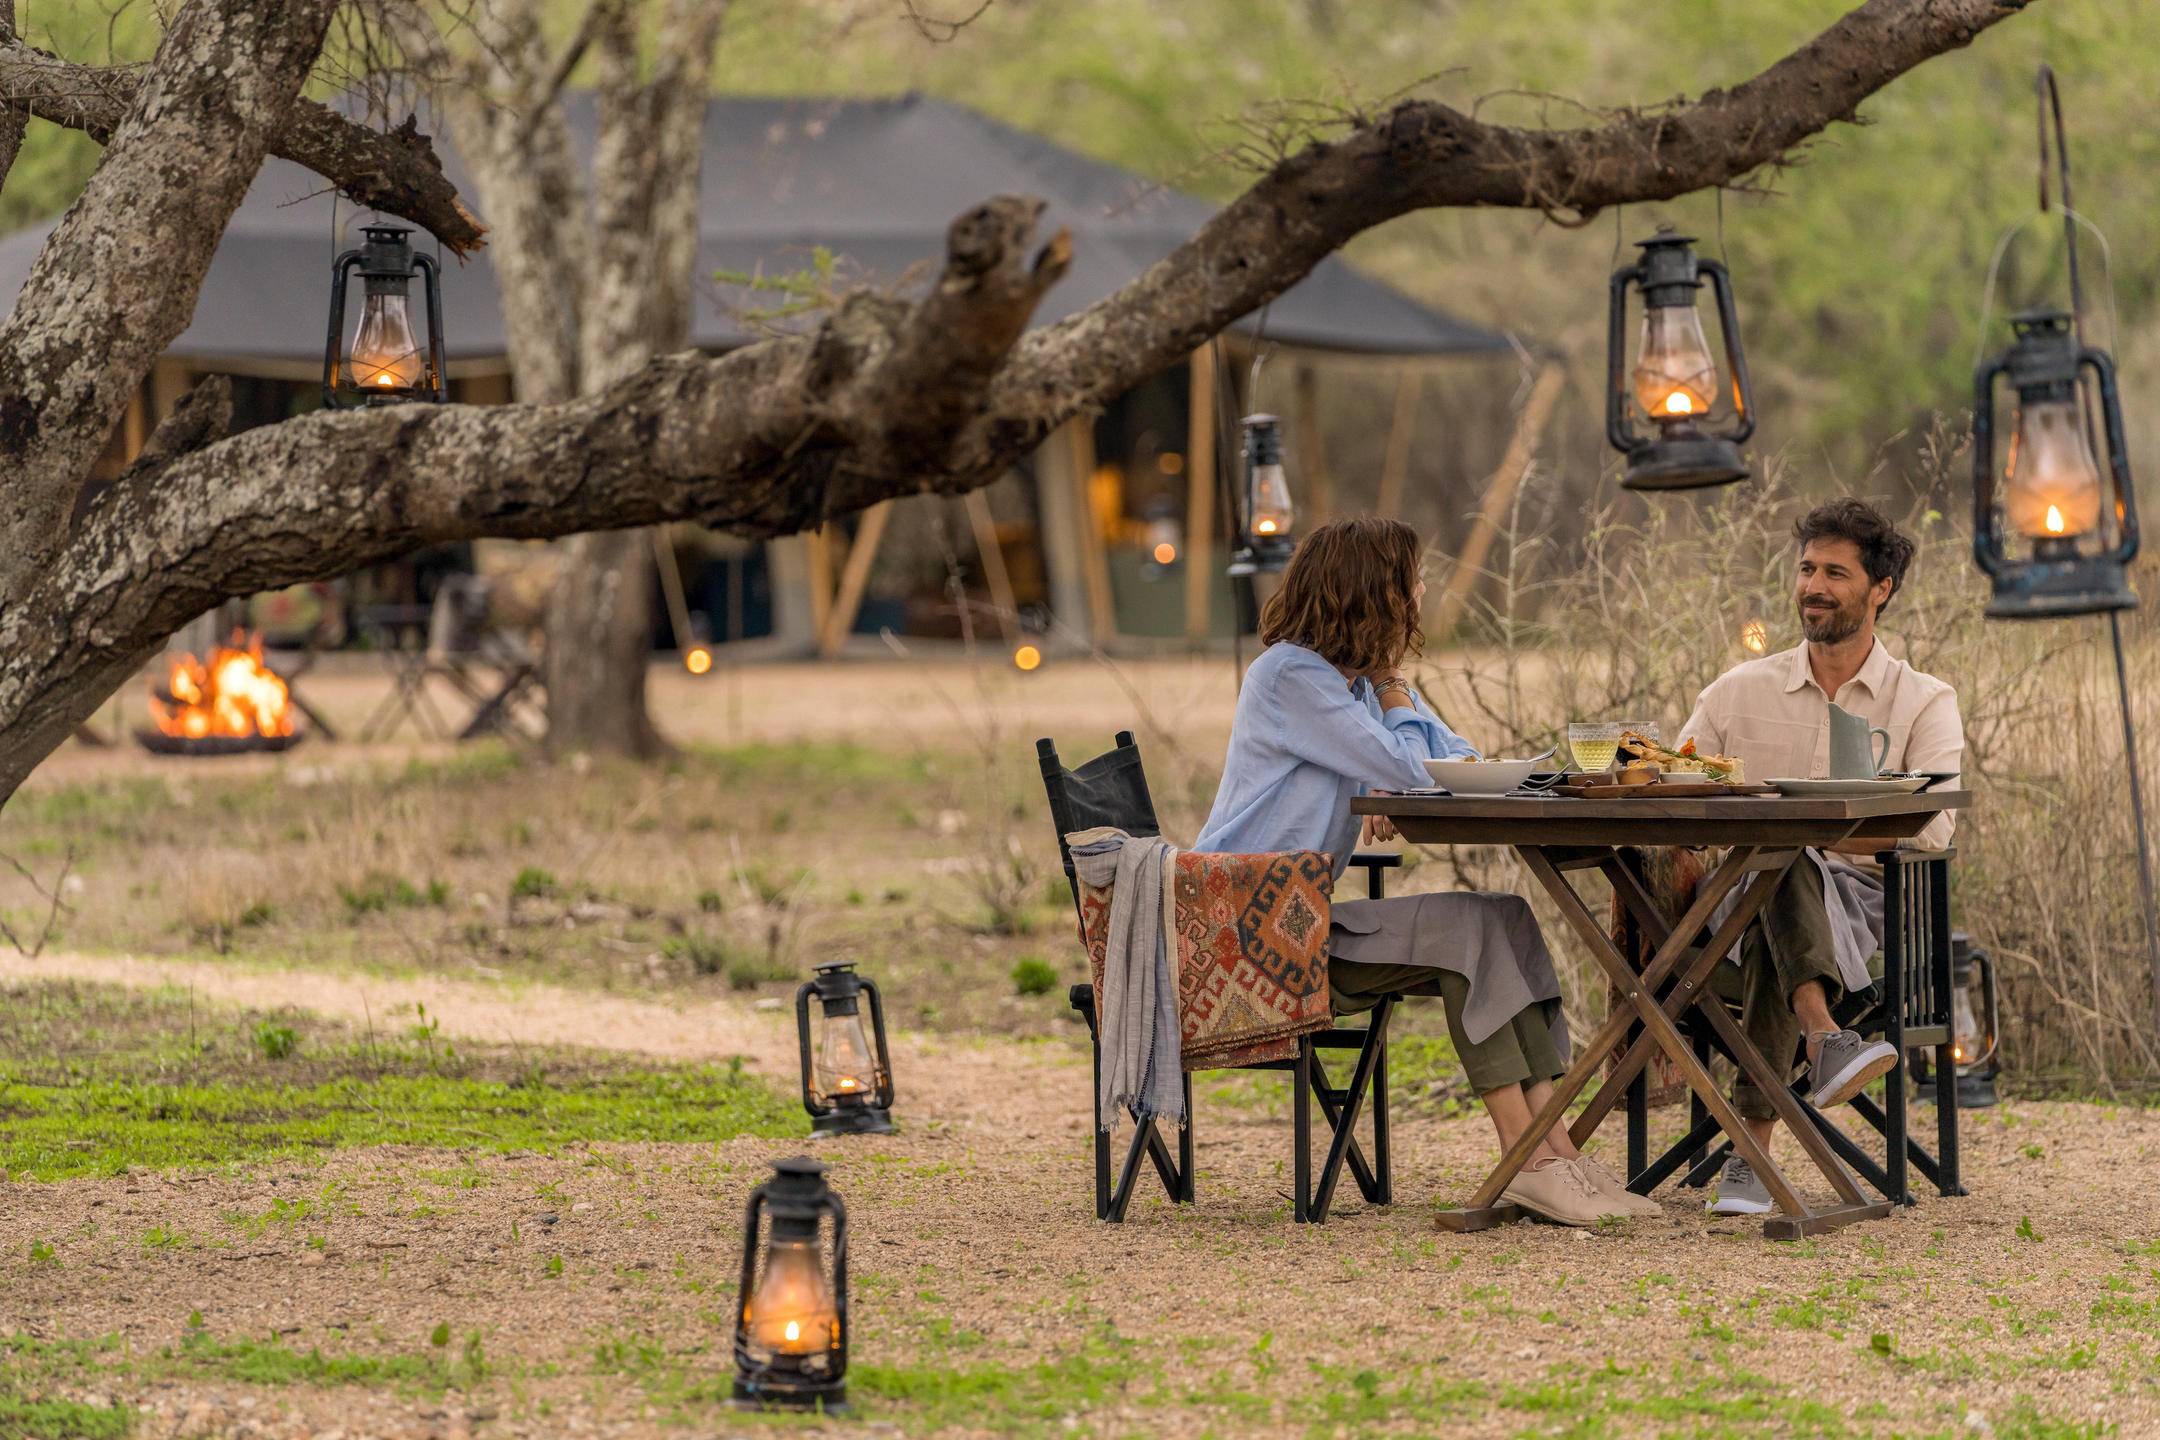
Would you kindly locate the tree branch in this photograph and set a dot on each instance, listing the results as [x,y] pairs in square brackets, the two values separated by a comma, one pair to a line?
[395,171]
[885,399]
[117,280]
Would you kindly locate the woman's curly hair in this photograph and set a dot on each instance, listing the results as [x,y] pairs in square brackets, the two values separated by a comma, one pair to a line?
[1349,593]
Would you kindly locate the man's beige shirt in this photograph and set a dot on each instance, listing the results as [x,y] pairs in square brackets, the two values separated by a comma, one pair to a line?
[1772,715]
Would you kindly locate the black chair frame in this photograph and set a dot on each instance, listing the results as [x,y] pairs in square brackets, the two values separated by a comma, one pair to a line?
[1910,1007]
[1341,1106]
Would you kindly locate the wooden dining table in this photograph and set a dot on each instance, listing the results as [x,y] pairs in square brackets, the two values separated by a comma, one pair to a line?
[1557,836]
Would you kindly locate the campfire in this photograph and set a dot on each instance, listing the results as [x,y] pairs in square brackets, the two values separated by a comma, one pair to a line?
[227,704]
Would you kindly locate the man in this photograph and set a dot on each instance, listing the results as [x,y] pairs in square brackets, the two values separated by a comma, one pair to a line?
[1812,942]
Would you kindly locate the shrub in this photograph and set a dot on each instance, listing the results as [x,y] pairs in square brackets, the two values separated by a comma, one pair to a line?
[1034,975]
[532,882]
[275,1041]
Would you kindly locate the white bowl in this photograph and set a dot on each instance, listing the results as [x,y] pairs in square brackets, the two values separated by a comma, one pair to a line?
[1480,777]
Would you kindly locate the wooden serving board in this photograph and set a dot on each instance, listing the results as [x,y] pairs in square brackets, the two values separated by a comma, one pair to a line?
[1658,789]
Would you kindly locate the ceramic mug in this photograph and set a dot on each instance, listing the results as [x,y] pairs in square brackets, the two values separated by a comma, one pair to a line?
[1854,753]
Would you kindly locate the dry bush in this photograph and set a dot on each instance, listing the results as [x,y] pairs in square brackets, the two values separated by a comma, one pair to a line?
[1633,620]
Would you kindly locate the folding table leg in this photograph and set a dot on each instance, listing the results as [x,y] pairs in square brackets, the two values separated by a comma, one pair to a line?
[1485,1208]
[1796,1218]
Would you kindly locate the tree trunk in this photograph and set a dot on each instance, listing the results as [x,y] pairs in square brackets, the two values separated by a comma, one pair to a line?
[636,305]
[599,640]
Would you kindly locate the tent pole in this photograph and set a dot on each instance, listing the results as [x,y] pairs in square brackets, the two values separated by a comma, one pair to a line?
[854,579]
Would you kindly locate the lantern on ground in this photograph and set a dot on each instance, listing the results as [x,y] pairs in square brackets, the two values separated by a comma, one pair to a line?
[1265,516]
[1975,1028]
[2052,529]
[384,364]
[1673,385]
[791,1312]
[846,1069]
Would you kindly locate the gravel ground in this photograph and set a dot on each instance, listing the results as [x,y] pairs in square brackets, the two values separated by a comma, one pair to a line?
[988,1300]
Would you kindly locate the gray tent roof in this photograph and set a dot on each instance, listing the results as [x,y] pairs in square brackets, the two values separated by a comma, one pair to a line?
[876,182]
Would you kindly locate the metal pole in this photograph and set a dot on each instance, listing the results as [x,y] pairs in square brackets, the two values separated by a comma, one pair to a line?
[2137,809]
[2051,97]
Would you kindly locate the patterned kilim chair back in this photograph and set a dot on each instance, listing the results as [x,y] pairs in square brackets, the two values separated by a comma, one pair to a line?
[1111,789]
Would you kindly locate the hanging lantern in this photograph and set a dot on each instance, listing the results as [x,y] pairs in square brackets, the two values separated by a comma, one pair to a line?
[791,1317]
[2051,533]
[846,1078]
[384,364]
[1674,383]
[1268,518]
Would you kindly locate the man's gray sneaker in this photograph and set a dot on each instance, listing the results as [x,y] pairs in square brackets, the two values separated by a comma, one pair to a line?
[1739,1191]
[1845,1066]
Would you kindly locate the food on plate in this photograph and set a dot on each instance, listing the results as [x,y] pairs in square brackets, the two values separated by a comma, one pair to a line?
[1723,768]
[1637,772]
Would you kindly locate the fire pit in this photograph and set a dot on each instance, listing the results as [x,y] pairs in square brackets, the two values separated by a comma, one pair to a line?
[228,705]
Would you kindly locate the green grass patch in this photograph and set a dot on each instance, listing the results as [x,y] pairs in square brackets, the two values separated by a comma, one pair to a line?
[95,1080]
[105,1127]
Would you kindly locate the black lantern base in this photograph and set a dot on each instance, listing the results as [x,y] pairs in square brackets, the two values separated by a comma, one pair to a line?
[852,1120]
[2044,589]
[1262,557]
[1684,462]
[824,1398]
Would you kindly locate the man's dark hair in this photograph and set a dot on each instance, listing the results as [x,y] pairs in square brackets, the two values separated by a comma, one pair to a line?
[1885,550]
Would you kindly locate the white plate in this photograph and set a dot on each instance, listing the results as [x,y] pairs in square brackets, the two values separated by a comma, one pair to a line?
[1903,785]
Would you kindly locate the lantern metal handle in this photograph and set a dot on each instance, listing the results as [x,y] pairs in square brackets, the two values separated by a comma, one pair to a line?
[1729,323]
[2103,367]
[802,1035]
[438,366]
[840,1268]
[338,281]
[1988,551]
[1618,434]
[884,1061]
[1991,1022]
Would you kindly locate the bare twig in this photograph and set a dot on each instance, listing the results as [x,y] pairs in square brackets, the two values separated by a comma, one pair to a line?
[53,908]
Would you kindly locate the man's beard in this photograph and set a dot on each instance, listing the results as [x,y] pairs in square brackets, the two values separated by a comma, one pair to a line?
[1829,627]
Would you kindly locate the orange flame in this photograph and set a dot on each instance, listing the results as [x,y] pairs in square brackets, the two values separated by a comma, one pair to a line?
[234,694]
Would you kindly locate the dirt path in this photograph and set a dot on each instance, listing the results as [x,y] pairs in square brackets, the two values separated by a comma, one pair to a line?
[966,1083]
[987,1299]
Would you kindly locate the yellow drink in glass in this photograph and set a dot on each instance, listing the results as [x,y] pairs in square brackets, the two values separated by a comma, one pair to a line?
[1594,744]
[1593,754]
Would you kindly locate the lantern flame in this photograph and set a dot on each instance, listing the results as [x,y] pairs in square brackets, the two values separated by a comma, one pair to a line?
[234,694]
[2054,521]
[1165,553]
[1755,637]
[793,1331]
[1678,403]
[1265,527]
[1027,657]
[698,661]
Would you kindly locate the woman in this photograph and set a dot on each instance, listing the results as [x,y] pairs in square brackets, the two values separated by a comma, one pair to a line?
[1326,715]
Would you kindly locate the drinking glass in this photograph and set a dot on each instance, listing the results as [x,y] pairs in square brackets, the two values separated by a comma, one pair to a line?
[1593,744]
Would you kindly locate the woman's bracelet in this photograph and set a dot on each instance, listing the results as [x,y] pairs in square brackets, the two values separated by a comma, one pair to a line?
[1380,691]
